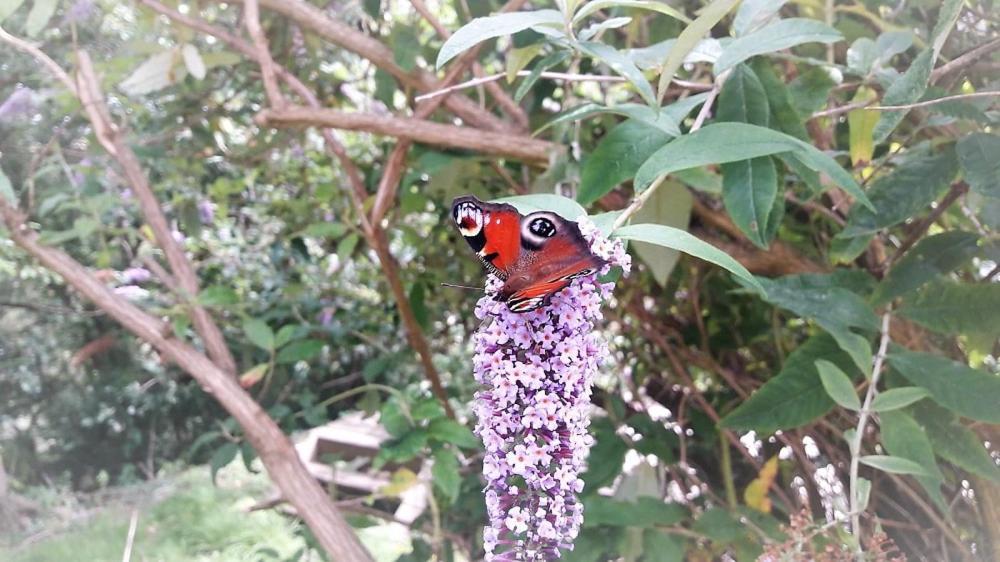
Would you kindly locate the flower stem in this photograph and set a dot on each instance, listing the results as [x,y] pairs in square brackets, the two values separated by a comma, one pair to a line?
[859,433]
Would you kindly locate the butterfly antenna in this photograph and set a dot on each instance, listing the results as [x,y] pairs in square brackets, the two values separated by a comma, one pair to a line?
[462,287]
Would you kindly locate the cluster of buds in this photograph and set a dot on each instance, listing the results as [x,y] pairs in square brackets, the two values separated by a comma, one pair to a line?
[533,412]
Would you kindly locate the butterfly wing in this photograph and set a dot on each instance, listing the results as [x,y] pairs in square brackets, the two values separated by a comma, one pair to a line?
[553,253]
[492,230]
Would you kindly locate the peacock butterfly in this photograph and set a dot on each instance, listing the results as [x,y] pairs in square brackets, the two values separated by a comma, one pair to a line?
[536,255]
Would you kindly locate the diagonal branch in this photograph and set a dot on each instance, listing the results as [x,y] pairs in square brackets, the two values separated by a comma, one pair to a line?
[275,450]
[251,17]
[112,140]
[517,147]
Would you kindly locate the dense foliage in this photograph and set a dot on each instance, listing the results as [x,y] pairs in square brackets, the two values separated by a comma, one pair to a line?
[820,377]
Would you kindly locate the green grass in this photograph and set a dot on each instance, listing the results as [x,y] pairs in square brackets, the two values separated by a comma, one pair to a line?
[187,518]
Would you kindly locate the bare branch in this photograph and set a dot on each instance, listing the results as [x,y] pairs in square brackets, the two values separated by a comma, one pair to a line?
[275,450]
[314,19]
[251,17]
[37,54]
[181,267]
[516,147]
[965,60]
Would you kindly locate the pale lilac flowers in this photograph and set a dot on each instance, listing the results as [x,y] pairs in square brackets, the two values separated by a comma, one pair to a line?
[537,369]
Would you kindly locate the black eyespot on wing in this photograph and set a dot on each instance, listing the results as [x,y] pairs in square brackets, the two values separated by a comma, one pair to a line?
[543,227]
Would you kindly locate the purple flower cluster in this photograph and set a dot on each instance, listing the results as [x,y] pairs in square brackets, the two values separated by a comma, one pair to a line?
[532,415]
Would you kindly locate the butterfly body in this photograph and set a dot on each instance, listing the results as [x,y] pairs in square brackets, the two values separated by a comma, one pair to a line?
[536,255]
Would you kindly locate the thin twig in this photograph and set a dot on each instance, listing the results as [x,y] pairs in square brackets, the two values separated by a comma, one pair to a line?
[842,109]
[933,101]
[859,431]
[564,76]
[958,189]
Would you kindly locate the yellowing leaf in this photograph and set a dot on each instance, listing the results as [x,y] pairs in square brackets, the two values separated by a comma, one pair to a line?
[253,376]
[861,123]
[519,58]
[755,494]
[401,481]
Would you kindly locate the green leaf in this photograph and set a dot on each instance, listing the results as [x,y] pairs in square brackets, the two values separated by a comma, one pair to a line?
[428,409]
[782,34]
[896,398]
[662,546]
[346,246]
[392,419]
[838,385]
[931,257]
[810,90]
[6,189]
[720,143]
[903,193]
[743,99]
[644,512]
[301,350]
[285,335]
[749,191]
[692,34]
[795,396]
[606,456]
[445,473]
[670,206]
[956,308]
[856,346]
[968,392]
[597,5]
[954,442]
[8,7]
[819,297]
[911,86]
[784,117]
[864,493]
[621,65]
[405,46]
[562,206]
[218,295]
[904,438]
[222,457]
[596,28]
[536,72]
[259,333]
[450,431]
[753,13]
[719,525]
[617,157]
[481,29]
[979,155]
[895,465]
[677,239]
[39,16]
